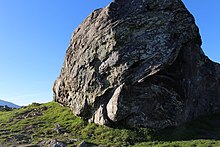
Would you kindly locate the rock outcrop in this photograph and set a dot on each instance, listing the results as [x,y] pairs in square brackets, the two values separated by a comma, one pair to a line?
[138,63]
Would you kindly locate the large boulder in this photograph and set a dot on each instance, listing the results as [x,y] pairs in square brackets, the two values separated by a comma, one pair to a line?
[138,63]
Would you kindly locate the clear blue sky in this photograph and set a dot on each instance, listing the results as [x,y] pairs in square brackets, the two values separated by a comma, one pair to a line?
[34,35]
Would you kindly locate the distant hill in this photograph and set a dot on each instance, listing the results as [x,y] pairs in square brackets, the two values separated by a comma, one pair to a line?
[9,104]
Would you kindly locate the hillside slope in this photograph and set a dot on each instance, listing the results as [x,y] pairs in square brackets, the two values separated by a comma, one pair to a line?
[37,124]
[9,104]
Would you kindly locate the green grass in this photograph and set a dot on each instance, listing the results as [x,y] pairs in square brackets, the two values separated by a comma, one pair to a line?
[191,143]
[36,123]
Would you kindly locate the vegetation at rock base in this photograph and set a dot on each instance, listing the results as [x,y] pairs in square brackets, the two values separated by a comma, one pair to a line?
[37,123]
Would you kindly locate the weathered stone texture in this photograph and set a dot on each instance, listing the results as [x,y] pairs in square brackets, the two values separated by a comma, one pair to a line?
[138,63]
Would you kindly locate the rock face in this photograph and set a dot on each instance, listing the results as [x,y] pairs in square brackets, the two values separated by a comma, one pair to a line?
[138,63]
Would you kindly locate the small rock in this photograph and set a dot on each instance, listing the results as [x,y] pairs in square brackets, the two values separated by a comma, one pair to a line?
[82,144]
[75,140]
[28,145]
[35,104]
[59,144]
[52,143]
[44,108]
[57,125]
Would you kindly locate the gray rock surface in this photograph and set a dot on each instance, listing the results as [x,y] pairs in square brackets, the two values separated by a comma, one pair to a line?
[138,63]
[51,143]
[82,144]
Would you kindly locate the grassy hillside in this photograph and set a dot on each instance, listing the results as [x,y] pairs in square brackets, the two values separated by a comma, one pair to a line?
[37,124]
